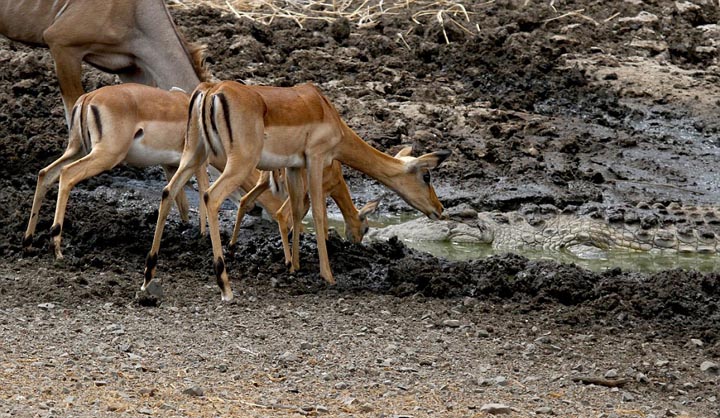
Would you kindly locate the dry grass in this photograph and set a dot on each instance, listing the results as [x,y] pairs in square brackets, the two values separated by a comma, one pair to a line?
[367,13]
[362,13]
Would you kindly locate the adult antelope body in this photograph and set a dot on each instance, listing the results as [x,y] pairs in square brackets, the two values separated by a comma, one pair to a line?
[134,123]
[294,128]
[135,39]
[199,148]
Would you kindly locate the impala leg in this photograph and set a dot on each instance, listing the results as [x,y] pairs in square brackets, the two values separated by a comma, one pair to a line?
[228,181]
[174,186]
[246,203]
[91,165]
[283,217]
[296,192]
[203,180]
[47,177]
[181,198]
[319,211]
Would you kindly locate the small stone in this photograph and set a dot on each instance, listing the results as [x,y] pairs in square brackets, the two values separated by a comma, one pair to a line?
[710,367]
[288,356]
[641,378]
[544,410]
[661,363]
[495,408]
[627,397]
[366,407]
[350,401]
[611,374]
[341,385]
[194,391]
[501,381]
[145,411]
[46,306]
[100,383]
[482,333]
[694,342]
[451,323]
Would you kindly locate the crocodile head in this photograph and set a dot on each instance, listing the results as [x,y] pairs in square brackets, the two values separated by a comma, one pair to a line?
[486,226]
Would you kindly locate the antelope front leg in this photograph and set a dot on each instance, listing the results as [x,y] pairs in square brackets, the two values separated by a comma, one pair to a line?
[180,200]
[203,180]
[296,192]
[262,185]
[68,66]
[319,211]
[282,216]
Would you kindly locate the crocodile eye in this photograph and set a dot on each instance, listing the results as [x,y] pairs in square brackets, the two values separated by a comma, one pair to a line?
[426,177]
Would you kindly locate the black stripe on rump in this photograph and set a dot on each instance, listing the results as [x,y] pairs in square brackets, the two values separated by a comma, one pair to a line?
[226,114]
[204,128]
[96,114]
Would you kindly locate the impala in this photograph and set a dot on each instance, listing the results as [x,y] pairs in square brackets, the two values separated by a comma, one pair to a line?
[356,222]
[137,124]
[135,39]
[197,149]
[294,128]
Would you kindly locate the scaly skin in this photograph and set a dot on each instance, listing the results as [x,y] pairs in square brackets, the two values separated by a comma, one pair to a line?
[675,228]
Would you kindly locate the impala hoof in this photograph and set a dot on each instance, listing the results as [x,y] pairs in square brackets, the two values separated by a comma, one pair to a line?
[227,296]
[27,242]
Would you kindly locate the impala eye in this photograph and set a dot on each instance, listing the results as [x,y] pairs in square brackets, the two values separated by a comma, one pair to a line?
[426,178]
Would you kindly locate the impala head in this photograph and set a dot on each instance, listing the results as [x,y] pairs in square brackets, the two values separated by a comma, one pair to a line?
[356,229]
[415,182]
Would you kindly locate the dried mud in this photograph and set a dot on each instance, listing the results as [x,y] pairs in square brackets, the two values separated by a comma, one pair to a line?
[536,109]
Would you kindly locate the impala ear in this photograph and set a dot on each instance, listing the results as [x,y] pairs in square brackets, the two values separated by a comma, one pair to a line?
[405,152]
[369,208]
[428,161]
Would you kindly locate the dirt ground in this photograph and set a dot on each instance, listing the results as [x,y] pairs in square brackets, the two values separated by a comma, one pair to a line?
[569,103]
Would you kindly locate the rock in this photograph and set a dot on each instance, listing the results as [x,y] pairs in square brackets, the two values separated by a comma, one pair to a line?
[627,397]
[611,374]
[710,367]
[288,357]
[501,381]
[495,408]
[694,342]
[451,323]
[194,391]
[47,306]
[341,385]
[483,333]
[686,6]
[642,18]
[544,410]
[366,407]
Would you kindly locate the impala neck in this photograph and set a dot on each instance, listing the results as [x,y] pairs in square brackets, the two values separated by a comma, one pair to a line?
[358,154]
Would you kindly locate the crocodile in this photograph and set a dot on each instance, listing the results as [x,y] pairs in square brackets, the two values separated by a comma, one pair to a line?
[645,227]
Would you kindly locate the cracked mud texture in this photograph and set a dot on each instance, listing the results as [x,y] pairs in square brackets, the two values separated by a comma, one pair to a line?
[605,107]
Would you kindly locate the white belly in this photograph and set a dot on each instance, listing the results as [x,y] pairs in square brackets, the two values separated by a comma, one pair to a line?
[271,161]
[144,152]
